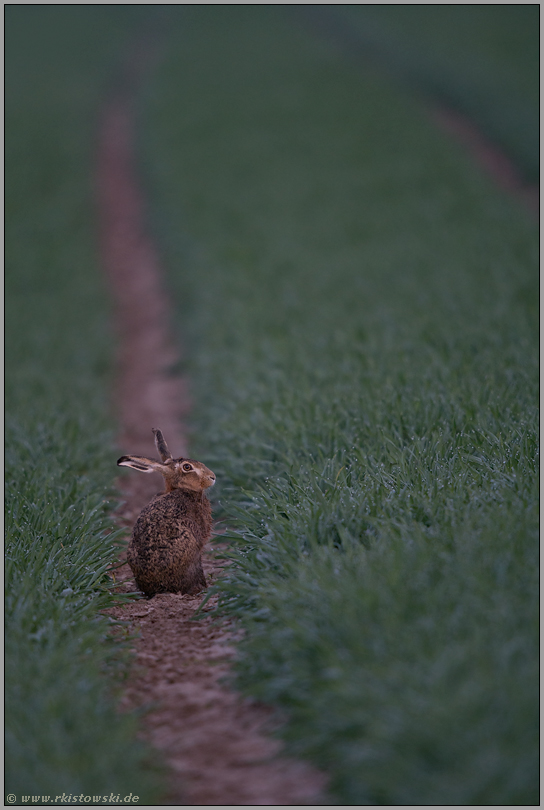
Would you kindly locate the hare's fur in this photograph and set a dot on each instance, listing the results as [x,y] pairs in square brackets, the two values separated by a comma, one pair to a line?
[165,550]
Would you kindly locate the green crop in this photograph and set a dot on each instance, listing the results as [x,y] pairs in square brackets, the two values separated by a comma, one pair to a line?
[63,667]
[358,307]
[479,60]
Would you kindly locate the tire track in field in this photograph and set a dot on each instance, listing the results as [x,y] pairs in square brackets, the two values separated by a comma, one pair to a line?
[213,741]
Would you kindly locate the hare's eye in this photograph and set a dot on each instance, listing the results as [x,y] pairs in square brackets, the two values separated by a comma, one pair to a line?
[187,467]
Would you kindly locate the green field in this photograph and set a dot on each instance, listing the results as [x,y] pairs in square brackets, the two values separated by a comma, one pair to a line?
[358,304]
[480,60]
[62,669]
[358,309]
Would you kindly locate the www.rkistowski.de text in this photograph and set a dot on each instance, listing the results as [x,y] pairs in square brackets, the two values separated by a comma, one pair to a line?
[74,798]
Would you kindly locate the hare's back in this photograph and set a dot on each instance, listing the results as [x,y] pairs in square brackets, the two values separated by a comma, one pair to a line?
[167,514]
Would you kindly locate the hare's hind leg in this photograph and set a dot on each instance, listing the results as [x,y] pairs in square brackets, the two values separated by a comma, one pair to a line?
[194,580]
[201,583]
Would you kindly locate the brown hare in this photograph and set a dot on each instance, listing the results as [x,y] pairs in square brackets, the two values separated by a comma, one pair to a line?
[165,551]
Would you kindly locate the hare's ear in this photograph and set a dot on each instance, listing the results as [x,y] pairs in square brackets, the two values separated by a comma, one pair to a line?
[161,445]
[146,465]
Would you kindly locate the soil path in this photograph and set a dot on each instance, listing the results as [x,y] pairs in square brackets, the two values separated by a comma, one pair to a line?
[213,740]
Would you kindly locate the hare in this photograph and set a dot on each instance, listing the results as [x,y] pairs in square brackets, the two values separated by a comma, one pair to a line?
[165,550]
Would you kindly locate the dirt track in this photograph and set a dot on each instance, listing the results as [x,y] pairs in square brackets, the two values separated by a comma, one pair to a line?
[212,739]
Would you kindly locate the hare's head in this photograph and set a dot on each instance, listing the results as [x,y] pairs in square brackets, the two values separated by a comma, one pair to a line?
[178,473]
